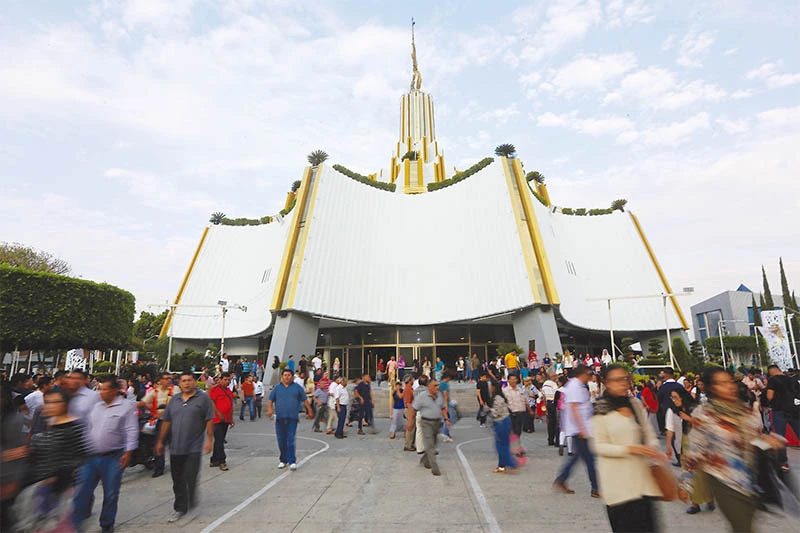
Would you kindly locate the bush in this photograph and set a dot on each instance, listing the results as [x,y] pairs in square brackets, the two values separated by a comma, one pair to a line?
[105,366]
[411,155]
[39,310]
[504,348]
[581,211]
[391,187]
[567,211]
[477,167]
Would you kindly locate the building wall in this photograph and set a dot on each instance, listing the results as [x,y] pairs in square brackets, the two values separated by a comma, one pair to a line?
[728,306]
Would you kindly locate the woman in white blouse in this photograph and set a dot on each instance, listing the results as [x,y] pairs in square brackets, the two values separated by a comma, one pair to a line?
[626,446]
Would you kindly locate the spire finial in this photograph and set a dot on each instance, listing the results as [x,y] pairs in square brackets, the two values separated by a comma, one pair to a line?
[416,77]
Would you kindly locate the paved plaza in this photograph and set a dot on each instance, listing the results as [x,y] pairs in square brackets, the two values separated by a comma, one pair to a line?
[368,483]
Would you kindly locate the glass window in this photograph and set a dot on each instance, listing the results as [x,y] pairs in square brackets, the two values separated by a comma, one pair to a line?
[452,335]
[701,320]
[417,334]
[354,363]
[345,336]
[495,334]
[380,335]
[324,338]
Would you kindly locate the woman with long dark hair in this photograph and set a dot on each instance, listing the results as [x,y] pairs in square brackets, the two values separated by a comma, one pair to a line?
[722,444]
[626,446]
[679,413]
[501,416]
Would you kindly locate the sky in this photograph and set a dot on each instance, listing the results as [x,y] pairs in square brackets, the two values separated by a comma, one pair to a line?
[125,124]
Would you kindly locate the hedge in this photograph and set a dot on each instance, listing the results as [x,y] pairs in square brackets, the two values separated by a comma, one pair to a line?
[39,310]
[480,165]
[582,211]
[391,187]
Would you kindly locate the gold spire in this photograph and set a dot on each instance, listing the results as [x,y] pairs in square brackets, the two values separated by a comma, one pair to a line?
[416,77]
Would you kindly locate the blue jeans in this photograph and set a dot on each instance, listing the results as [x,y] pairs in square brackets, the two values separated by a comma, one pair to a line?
[247,401]
[581,452]
[451,412]
[98,468]
[779,422]
[342,417]
[286,429]
[502,441]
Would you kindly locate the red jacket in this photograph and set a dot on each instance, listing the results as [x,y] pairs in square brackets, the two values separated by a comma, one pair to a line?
[649,400]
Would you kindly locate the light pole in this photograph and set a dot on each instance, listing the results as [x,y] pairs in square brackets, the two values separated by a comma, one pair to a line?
[147,339]
[225,306]
[721,344]
[664,296]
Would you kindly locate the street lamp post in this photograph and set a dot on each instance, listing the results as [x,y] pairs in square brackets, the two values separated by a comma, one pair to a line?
[225,306]
[721,344]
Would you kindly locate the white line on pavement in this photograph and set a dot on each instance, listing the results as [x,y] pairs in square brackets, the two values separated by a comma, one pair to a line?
[222,519]
[491,522]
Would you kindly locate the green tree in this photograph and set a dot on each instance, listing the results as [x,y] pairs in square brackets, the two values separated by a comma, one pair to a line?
[619,204]
[505,150]
[296,185]
[654,347]
[411,155]
[216,218]
[18,255]
[756,314]
[686,361]
[317,157]
[148,324]
[535,176]
[769,305]
[696,350]
[625,345]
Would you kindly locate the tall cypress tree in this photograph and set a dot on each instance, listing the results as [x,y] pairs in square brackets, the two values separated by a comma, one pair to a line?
[769,305]
[756,314]
[761,303]
[787,296]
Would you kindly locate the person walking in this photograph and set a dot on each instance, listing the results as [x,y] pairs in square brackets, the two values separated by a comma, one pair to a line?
[484,397]
[188,420]
[410,435]
[401,367]
[258,396]
[112,436]
[430,405]
[342,400]
[397,409]
[501,420]
[276,371]
[783,393]
[549,388]
[285,401]
[363,391]
[626,445]
[391,369]
[248,394]
[222,402]
[332,413]
[517,399]
[321,401]
[156,401]
[577,424]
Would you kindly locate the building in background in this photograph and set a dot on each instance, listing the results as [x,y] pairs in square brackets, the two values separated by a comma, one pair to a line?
[428,263]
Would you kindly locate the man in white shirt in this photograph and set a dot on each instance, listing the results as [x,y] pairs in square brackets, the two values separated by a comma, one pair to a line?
[299,380]
[224,363]
[258,391]
[332,415]
[316,362]
[342,398]
[576,422]
[606,359]
[35,400]
[549,389]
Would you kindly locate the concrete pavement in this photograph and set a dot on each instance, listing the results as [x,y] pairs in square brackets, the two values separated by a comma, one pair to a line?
[366,483]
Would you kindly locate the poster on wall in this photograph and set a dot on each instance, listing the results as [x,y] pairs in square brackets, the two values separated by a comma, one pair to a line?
[774,332]
[75,359]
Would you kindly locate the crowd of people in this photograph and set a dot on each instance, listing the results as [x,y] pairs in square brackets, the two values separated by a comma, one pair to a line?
[598,414]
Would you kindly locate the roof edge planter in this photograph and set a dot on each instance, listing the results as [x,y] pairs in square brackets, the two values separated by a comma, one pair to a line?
[477,167]
[391,187]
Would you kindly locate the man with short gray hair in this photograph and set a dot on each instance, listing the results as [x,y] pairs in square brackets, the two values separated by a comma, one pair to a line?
[430,405]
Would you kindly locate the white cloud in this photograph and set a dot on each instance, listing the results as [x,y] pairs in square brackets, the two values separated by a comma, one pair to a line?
[591,72]
[594,126]
[500,115]
[780,117]
[770,74]
[565,21]
[741,94]
[730,52]
[669,43]
[621,13]
[693,48]
[672,134]
[733,127]
[659,88]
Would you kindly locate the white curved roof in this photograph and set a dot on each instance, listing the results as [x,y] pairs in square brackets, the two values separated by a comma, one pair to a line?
[237,264]
[448,255]
[600,257]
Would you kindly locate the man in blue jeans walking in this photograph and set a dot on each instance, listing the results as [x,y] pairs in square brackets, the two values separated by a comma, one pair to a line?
[576,422]
[285,401]
[112,435]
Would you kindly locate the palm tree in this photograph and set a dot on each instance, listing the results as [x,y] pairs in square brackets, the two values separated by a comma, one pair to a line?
[216,218]
[317,157]
[535,176]
[410,155]
[296,184]
[619,205]
[505,150]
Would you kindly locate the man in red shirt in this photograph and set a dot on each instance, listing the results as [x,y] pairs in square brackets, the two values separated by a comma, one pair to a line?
[248,395]
[222,400]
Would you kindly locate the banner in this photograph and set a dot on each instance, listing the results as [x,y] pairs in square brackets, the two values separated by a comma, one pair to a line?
[774,332]
[75,359]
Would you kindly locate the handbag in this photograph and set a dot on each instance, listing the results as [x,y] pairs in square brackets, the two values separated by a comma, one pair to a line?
[666,482]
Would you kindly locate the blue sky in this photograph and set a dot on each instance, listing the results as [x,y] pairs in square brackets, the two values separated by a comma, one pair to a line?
[124,124]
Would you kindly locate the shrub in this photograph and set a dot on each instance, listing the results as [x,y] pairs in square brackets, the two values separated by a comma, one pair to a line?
[391,187]
[460,176]
[581,211]
[567,211]
[411,155]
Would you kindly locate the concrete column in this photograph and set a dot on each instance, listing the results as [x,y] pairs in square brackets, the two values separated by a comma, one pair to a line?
[539,325]
[293,334]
